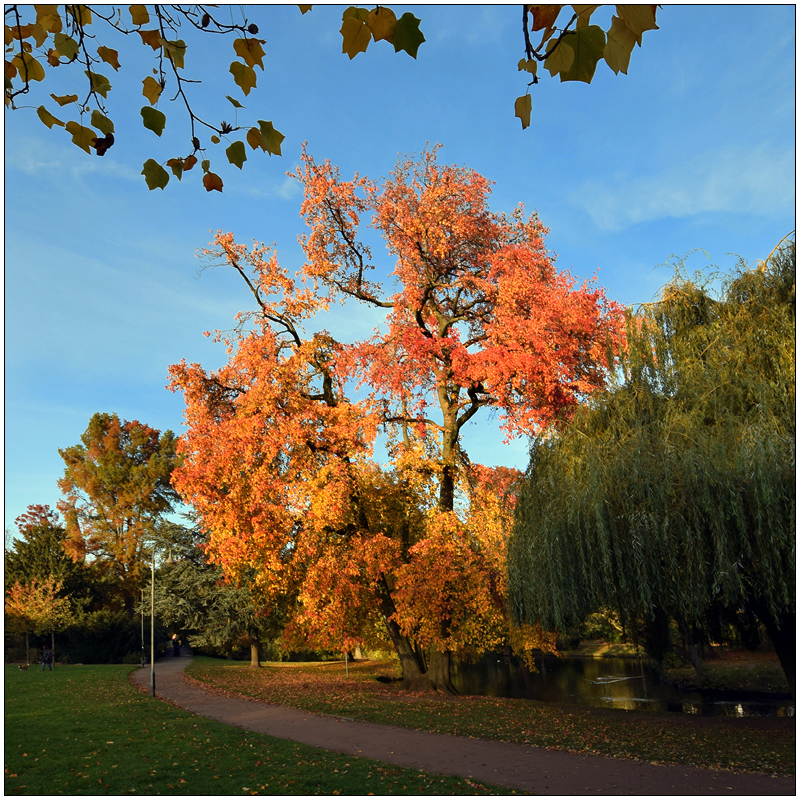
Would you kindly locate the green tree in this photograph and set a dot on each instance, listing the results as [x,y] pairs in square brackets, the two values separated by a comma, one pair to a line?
[116,489]
[674,493]
[87,40]
[41,552]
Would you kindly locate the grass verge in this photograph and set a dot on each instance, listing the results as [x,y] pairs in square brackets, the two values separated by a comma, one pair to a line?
[750,745]
[85,730]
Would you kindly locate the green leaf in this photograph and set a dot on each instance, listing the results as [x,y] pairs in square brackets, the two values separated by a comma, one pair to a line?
[244,76]
[153,120]
[99,82]
[151,89]
[236,154]
[155,175]
[588,45]
[82,137]
[103,124]
[407,35]
[235,103]
[270,138]
[205,165]
[560,57]
[65,46]
[48,119]
[619,46]
[522,109]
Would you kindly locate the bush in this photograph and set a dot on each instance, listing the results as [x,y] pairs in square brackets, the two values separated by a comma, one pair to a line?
[102,637]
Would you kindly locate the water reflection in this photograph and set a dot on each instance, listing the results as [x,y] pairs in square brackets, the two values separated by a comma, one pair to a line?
[624,683]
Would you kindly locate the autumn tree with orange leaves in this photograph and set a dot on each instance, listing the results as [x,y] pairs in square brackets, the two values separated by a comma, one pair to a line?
[278,456]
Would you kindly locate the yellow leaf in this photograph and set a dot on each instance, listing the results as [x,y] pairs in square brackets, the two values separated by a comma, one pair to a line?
[212,182]
[139,15]
[82,137]
[619,46]
[109,56]
[584,13]
[176,165]
[254,138]
[39,34]
[382,22]
[175,50]
[215,139]
[244,76]
[102,123]
[560,58]
[48,119]
[522,109]
[47,16]
[151,89]
[356,36]
[250,51]
[81,14]
[531,65]
[65,99]
[639,19]
[28,67]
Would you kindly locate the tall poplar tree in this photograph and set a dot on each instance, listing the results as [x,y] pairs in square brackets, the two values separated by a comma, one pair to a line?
[675,492]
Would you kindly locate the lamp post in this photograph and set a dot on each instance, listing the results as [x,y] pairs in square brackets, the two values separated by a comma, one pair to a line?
[168,563]
[141,607]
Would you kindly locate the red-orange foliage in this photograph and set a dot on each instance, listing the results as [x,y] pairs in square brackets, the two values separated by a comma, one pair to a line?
[278,450]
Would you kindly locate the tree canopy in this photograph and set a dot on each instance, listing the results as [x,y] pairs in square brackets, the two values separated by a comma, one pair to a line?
[88,40]
[116,489]
[674,492]
[278,456]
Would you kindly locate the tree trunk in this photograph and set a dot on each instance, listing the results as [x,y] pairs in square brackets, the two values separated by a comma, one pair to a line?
[255,660]
[783,634]
[53,647]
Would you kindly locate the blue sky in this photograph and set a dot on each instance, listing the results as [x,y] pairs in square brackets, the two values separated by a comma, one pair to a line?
[695,148]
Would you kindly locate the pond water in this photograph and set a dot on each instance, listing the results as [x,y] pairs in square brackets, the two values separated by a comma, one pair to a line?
[624,683]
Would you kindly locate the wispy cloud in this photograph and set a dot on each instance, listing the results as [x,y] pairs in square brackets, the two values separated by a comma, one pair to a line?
[735,179]
[33,156]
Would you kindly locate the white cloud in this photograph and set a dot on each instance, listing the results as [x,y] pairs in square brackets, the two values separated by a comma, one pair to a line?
[736,179]
[33,156]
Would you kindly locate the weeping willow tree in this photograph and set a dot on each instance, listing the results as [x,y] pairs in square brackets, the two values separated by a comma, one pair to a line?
[674,492]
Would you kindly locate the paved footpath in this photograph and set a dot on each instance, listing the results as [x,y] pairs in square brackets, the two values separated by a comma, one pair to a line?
[516,766]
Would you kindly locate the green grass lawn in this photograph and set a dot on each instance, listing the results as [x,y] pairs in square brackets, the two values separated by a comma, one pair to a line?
[737,744]
[86,730]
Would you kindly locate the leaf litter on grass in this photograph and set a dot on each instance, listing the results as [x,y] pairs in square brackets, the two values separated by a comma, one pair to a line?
[725,744]
[87,730]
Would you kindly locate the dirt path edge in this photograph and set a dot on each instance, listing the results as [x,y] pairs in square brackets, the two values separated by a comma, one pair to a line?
[550,772]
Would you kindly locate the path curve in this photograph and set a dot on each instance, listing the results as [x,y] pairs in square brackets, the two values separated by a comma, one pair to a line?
[517,766]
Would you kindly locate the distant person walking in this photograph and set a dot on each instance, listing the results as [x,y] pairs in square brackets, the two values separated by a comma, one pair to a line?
[47,657]
[176,645]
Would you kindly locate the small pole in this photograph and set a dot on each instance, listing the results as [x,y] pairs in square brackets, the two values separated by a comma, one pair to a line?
[142,609]
[152,624]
